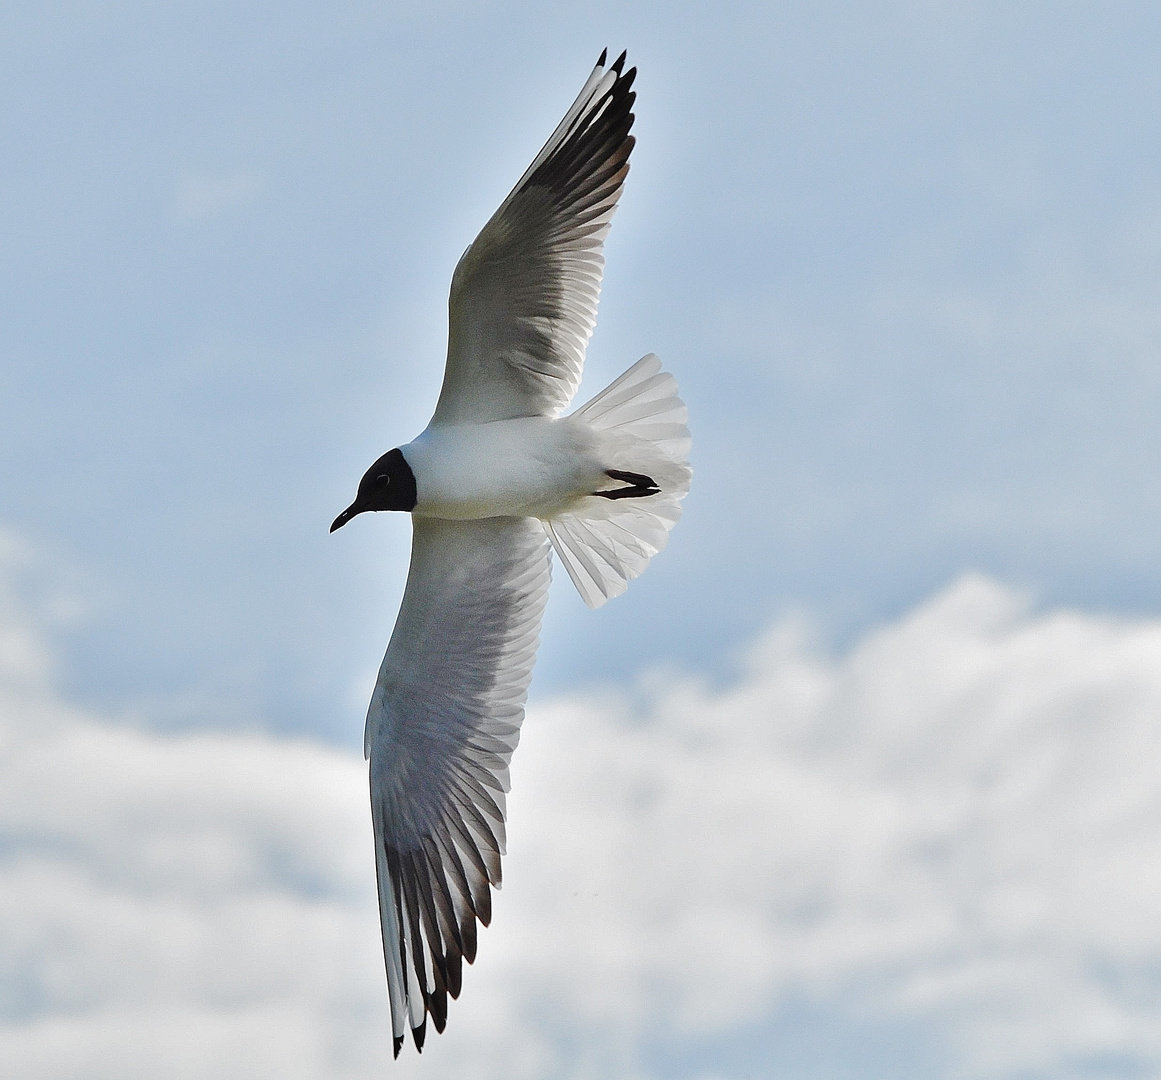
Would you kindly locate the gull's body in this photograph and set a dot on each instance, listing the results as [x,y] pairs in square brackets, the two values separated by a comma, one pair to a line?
[496,482]
[533,466]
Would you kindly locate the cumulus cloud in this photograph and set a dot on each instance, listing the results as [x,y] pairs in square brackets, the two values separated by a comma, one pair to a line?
[955,825]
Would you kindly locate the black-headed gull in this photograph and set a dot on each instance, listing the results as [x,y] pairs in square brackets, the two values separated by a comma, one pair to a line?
[496,480]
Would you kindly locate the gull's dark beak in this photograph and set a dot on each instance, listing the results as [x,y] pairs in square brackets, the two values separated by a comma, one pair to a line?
[346,516]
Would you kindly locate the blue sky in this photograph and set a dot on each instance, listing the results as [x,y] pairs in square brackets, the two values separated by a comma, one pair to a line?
[903,259]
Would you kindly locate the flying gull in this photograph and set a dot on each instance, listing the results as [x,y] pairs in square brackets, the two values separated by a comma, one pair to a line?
[497,481]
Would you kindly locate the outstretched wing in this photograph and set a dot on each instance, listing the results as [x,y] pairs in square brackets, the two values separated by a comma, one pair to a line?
[444,719]
[524,296]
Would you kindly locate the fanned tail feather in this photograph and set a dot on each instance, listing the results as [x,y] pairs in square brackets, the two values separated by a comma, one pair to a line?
[605,543]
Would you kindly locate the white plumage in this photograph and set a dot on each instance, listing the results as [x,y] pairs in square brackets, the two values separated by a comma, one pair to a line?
[498,476]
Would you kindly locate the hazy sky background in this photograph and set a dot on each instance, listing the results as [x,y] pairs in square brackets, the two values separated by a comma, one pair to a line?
[905,262]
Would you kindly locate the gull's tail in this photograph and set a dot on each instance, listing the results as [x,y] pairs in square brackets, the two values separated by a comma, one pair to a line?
[610,537]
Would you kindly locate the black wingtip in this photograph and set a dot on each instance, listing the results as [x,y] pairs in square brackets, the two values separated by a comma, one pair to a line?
[620,61]
[604,57]
[398,1044]
[417,1034]
[439,1010]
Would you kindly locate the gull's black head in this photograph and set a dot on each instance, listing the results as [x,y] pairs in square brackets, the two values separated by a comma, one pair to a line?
[389,484]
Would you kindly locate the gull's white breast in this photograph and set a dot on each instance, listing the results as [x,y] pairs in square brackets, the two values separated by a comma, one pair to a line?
[528,467]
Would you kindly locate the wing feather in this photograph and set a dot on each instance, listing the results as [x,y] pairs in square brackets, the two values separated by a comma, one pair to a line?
[443,723]
[524,296]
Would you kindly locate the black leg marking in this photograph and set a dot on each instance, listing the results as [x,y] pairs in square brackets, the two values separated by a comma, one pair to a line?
[635,478]
[639,487]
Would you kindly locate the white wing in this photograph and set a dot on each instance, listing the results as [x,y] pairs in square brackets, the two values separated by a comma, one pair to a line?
[444,719]
[524,296]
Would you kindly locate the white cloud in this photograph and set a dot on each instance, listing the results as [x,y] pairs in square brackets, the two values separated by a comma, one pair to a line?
[206,195]
[956,826]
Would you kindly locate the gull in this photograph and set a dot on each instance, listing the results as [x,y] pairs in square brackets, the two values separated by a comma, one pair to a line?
[496,482]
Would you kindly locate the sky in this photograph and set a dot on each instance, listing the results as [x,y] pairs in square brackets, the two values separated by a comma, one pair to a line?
[858,780]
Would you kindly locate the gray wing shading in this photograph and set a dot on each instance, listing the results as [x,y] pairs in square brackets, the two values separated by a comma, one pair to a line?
[523,298]
[444,719]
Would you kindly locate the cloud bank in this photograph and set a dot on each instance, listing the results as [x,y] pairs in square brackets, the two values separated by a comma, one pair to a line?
[954,827]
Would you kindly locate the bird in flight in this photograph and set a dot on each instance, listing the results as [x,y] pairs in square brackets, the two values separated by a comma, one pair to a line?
[497,481]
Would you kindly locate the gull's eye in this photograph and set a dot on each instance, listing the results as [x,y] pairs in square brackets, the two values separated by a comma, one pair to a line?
[382,480]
